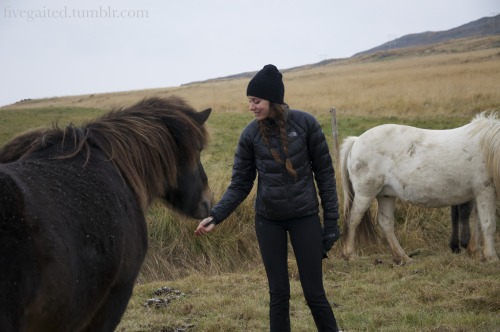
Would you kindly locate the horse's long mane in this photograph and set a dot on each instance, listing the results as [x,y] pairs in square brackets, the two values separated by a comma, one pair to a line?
[145,142]
[487,126]
[20,145]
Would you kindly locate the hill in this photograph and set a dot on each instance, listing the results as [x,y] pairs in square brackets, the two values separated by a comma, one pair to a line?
[486,26]
[415,44]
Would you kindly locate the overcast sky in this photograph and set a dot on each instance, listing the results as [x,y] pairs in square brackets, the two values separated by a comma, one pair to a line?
[60,48]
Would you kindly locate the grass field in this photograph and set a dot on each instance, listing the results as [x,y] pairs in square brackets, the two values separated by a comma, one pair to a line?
[217,283]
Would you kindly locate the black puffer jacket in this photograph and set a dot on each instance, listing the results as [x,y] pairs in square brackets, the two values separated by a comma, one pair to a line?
[279,195]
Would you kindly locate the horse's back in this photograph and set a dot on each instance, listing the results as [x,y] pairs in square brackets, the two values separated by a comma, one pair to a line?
[416,165]
[409,150]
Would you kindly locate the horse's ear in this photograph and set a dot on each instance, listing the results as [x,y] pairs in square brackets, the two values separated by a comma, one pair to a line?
[202,116]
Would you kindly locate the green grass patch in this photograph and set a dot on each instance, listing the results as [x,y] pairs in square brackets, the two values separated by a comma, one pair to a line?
[16,121]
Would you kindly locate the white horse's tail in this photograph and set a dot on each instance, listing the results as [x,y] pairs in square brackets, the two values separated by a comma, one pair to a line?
[347,189]
[366,231]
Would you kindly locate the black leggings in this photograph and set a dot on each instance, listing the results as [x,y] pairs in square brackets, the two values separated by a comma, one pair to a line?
[306,238]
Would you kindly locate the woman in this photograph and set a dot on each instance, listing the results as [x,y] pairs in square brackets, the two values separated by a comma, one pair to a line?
[288,150]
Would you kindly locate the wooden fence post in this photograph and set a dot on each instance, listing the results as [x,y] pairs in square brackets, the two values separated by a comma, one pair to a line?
[335,132]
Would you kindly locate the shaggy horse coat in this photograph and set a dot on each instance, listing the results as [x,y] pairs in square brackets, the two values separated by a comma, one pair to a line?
[72,228]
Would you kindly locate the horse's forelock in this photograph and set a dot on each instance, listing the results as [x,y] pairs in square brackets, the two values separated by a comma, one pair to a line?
[178,117]
[147,140]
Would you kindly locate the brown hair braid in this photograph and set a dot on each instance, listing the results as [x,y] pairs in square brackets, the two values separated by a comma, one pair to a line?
[277,113]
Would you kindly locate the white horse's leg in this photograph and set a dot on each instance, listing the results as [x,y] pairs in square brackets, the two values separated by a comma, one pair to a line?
[474,247]
[359,206]
[486,209]
[385,217]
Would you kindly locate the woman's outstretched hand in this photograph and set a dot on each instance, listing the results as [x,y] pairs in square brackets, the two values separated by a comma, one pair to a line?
[205,226]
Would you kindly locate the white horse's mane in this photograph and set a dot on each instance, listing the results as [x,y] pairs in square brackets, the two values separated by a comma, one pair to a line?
[488,126]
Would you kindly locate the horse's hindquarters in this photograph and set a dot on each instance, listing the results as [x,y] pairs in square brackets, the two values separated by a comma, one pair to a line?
[17,263]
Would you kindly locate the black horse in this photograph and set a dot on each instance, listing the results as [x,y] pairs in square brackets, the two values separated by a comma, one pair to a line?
[460,224]
[73,234]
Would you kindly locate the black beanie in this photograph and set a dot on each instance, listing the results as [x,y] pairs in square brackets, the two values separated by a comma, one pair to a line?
[267,84]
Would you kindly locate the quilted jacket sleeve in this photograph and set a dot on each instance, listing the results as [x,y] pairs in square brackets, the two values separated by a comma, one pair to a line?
[242,178]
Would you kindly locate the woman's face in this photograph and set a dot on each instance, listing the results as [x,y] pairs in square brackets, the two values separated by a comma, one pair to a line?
[259,107]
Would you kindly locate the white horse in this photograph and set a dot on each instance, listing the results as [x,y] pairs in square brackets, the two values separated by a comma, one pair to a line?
[428,168]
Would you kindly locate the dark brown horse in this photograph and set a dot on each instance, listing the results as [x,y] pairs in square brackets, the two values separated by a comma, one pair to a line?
[73,234]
